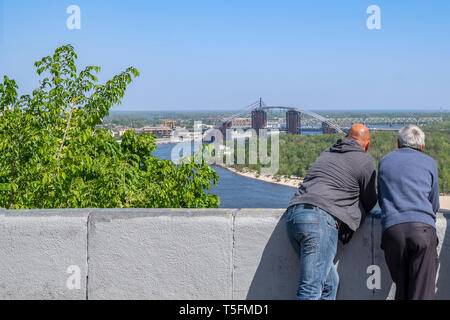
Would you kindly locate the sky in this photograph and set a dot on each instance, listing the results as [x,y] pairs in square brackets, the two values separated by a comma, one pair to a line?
[224,55]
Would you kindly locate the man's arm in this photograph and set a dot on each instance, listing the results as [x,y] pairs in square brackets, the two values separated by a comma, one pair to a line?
[378,186]
[434,194]
[368,193]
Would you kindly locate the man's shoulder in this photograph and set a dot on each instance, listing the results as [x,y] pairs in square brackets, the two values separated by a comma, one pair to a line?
[387,157]
[428,158]
[430,162]
[354,156]
[408,155]
[368,160]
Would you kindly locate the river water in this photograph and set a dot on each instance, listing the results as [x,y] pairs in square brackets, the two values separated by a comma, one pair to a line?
[236,191]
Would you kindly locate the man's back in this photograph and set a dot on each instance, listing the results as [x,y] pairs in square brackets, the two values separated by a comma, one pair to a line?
[336,182]
[408,188]
[408,192]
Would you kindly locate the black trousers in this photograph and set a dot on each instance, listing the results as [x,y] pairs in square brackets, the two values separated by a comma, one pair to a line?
[410,250]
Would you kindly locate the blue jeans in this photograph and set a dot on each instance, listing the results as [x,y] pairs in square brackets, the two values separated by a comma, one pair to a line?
[314,235]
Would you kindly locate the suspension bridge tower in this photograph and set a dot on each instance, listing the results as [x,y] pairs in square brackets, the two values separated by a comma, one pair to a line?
[292,121]
[259,118]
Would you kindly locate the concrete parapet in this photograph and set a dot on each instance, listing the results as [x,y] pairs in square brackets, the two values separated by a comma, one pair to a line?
[179,254]
[43,254]
[265,265]
[160,254]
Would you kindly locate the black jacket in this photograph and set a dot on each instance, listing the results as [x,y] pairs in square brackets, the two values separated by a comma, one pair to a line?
[341,182]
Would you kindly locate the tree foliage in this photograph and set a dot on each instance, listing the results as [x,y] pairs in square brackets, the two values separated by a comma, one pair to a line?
[53,156]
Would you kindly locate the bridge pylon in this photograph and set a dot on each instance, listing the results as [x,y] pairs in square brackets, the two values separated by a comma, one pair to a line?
[293,122]
[259,119]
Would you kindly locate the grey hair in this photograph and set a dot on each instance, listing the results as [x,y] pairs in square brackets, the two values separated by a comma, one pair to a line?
[411,136]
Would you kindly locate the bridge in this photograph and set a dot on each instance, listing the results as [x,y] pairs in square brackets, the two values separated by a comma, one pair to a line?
[259,110]
[297,117]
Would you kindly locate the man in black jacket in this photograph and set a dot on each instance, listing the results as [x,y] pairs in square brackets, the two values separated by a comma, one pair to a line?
[338,190]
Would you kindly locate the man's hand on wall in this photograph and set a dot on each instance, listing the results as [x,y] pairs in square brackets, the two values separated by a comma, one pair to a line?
[345,233]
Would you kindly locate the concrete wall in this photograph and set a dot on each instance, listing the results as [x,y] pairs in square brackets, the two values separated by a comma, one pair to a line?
[177,254]
[38,249]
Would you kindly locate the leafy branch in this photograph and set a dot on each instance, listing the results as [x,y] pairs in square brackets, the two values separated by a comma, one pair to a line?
[53,155]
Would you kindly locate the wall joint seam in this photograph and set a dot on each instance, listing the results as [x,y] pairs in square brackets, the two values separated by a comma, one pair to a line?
[233,230]
[88,220]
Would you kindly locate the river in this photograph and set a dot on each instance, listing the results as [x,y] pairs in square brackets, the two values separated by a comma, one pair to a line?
[236,191]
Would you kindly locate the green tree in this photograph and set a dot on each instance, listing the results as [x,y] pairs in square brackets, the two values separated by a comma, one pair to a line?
[53,156]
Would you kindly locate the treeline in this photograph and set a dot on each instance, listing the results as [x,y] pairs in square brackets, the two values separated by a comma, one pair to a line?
[297,152]
[139,119]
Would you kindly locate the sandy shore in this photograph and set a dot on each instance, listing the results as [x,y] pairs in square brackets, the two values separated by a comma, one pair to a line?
[166,141]
[445,202]
[289,182]
[295,182]
[174,141]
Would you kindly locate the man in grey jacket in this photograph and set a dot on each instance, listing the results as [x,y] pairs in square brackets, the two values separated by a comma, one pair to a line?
[330,204]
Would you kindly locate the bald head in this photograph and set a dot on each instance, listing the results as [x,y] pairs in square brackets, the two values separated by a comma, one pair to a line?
[361,134]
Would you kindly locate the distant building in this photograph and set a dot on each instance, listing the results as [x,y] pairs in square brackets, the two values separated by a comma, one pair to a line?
[292,121]
[273,124]
[169,123]
[327,129]
[241,122]
[159,132]
[116,130]
[186,135]
[259,120]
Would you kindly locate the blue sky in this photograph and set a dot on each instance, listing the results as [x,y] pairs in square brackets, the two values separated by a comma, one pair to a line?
[315,54]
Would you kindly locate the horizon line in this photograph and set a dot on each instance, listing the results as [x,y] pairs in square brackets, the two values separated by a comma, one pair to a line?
[428,110]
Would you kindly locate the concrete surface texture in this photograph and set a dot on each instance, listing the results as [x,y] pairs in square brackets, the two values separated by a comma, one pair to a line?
[39,251]
[179,254]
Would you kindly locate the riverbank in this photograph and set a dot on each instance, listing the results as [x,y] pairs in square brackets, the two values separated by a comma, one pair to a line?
[288,182]
[175,140]
[166,141]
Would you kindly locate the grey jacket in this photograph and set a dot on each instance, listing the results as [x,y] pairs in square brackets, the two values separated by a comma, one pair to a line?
[341,182]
